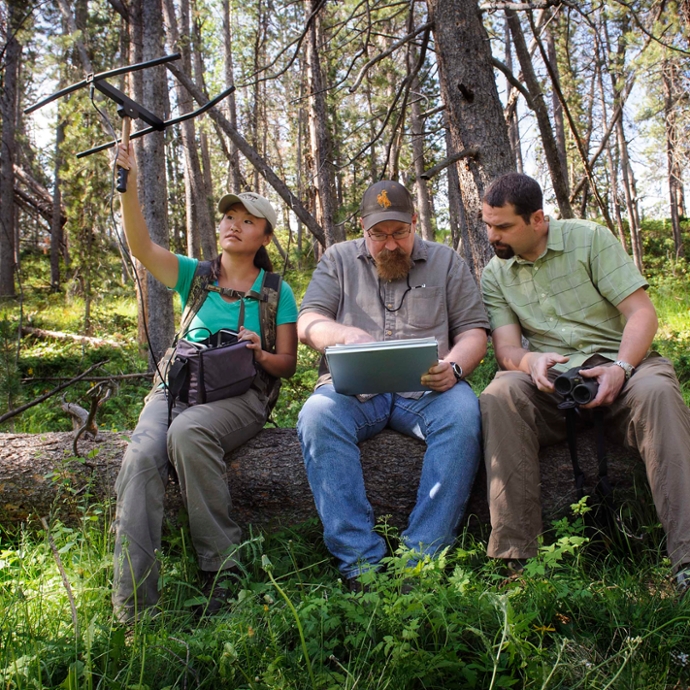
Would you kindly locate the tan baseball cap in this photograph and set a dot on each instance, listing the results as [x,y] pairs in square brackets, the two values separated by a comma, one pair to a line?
[386,200]
[256,204]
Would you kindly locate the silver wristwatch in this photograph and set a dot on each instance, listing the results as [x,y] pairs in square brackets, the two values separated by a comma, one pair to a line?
[629,369]
[457,370]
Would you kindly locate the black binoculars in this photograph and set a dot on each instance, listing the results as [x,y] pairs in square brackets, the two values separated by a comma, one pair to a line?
[575,389]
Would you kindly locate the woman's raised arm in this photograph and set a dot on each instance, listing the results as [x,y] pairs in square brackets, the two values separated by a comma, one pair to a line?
[160,262]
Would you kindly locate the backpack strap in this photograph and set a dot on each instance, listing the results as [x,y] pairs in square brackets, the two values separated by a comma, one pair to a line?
[198,291]
[268,311]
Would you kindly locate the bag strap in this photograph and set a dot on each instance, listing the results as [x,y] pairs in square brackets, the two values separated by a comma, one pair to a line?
[603,488]
[198,292]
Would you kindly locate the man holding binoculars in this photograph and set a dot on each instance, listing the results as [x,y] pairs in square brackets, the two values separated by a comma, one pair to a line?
[571,291]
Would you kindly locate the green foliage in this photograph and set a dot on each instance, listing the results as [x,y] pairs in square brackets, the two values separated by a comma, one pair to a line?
[575,619]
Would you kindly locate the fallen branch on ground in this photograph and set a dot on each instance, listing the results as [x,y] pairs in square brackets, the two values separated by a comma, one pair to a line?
[59,335]
[19,410]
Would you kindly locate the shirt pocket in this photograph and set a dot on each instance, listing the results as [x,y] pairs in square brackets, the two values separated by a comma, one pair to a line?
[424,308]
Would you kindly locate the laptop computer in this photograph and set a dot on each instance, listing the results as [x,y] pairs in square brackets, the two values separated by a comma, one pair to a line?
[391,366]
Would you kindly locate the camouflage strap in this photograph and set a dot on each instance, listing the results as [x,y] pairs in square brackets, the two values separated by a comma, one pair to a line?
[268,311]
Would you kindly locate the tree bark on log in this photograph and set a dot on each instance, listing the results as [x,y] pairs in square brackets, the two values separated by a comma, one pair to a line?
[269,488]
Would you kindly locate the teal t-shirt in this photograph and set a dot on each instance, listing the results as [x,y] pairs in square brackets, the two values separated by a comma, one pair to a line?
[216,313]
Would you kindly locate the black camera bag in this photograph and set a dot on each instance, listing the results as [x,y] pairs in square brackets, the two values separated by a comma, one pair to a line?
[203,373]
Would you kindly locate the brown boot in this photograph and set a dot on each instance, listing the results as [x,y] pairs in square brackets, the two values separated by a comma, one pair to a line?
[217,587]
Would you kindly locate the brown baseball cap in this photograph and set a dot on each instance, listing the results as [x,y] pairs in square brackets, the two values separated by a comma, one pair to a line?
[256,204]
[386,200]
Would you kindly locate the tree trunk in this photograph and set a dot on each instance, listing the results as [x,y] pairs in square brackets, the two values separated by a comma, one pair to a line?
[512,115]
[423,201]
[617,77]
[267,480]
[56,225]
[8,113]
[161,326]
[670,75]
[209,242]
[199,220]
[475,115]
[558,123]
[456,210]
[320,138]
[630,197]
[234,175]
[559,178]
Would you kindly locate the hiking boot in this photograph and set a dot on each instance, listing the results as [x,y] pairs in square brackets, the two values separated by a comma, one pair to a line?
[514,567]
[408,586]
[357,587]
[215,586]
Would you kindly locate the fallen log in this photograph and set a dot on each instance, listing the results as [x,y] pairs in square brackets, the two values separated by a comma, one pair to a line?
[39,476]
[59,335]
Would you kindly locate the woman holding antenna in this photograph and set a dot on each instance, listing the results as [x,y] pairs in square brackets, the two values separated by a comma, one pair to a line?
[201,435]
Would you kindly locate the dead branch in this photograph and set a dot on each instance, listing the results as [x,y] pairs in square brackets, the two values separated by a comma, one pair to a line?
[85,422]
[514,81]
[625,92]
[59,335]
[120,8]
[555,85]
[518,6]
[602,146]
[252,155]
[403,89]
[40,399]
[407,85]
[387,52]
[37,197]
[114,377]
[465,153]
[433,111]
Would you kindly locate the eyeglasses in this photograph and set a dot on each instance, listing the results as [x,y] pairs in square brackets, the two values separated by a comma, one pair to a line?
[383,236]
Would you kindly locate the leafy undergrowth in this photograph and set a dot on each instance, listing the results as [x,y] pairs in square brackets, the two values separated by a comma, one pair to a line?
[588,613]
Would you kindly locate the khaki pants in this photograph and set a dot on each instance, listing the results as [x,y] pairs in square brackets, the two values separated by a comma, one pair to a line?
[196,443]
[649,415]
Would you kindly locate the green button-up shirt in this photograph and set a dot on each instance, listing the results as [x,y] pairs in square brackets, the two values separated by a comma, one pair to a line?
[565,301]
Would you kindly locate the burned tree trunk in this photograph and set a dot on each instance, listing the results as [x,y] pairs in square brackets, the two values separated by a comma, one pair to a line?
[8,114]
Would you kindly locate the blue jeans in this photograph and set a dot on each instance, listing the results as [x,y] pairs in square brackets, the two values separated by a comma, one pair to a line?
[329,428]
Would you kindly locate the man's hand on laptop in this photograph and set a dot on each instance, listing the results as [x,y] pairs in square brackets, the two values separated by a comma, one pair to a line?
[353,335]
[440,378]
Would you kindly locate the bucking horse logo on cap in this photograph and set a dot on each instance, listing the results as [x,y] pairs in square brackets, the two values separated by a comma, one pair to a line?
[383,200]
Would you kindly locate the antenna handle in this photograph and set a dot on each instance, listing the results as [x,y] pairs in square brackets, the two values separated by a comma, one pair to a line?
[121,172]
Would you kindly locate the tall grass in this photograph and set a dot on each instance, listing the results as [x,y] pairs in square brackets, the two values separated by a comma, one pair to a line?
[578,618]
